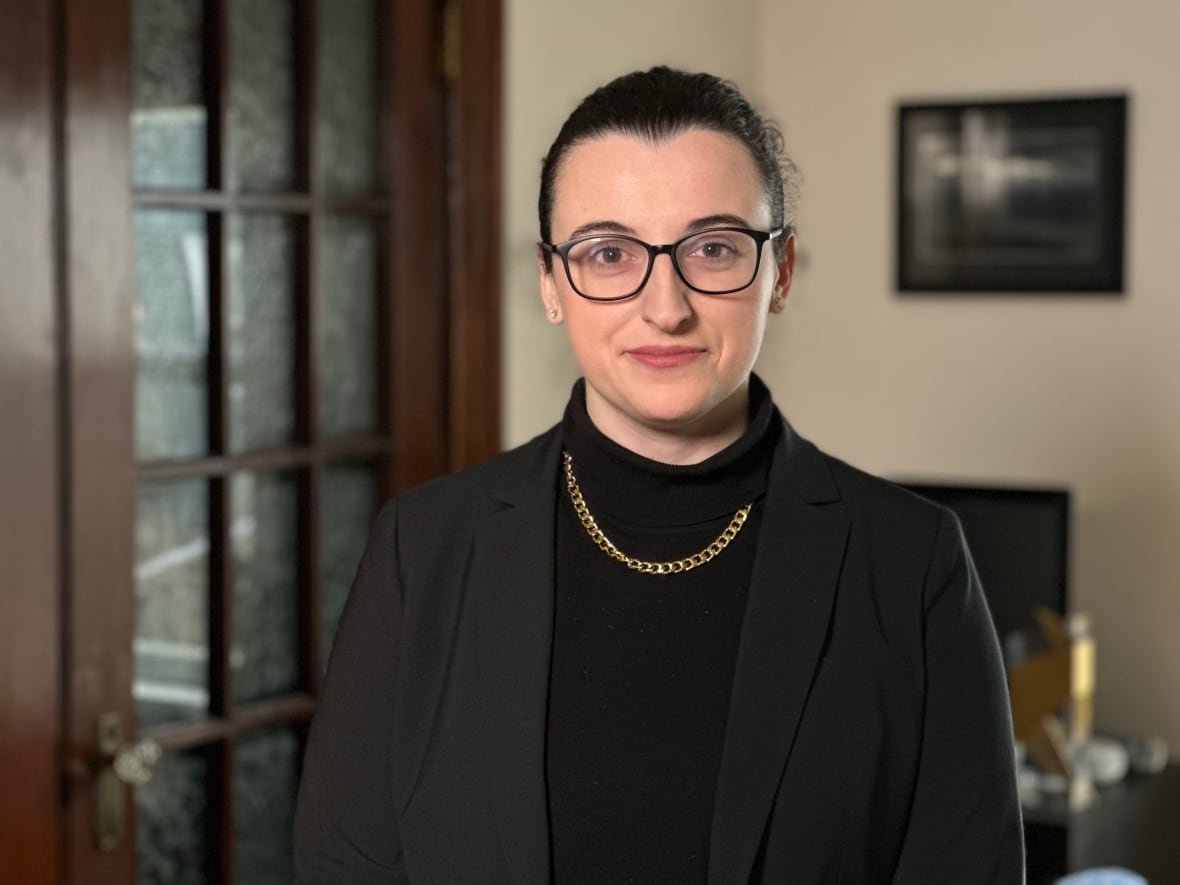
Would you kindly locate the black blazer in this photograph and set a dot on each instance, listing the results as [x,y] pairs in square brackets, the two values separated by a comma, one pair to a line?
[868,736]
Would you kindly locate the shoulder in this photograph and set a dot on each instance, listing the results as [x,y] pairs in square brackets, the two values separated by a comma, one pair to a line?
[488,476]
[878,499]
[865,497]
[906,573]
[887,522]
[459,499]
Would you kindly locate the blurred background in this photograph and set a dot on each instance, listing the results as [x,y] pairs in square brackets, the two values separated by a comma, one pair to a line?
[266,263]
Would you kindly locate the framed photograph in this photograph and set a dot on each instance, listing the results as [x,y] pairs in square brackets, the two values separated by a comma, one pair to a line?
[1012,196]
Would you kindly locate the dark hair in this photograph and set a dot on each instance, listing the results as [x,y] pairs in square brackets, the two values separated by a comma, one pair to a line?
[661,103]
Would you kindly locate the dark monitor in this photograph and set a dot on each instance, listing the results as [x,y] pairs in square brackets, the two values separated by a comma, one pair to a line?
[1019,539]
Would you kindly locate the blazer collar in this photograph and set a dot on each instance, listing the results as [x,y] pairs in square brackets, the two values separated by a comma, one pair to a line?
[514,565]
[800,550]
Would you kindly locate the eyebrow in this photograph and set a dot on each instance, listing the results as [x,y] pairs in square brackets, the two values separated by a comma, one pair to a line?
[723,220]
[614,227]
[605,227]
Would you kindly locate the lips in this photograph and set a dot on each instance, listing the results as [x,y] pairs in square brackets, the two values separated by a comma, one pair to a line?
[665,357]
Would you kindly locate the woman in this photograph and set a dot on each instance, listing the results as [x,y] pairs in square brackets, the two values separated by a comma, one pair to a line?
[668,640]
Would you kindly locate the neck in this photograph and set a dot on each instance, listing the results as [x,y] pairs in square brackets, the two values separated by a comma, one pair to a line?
[679,444]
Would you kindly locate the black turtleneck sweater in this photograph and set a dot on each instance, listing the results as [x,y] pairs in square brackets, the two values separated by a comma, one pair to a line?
[643,664]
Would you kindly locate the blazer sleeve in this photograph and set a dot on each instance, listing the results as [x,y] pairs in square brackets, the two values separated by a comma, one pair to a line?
[345,821]
[965,824]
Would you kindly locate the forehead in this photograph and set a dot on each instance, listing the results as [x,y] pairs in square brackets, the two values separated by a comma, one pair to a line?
[657,188]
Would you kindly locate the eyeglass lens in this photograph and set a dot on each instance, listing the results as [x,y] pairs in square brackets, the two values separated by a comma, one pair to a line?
[616,266]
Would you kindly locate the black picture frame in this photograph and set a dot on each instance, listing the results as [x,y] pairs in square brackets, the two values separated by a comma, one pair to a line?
[1012,196]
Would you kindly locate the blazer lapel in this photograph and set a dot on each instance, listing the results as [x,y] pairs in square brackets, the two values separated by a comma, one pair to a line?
[513,576]
[800,551]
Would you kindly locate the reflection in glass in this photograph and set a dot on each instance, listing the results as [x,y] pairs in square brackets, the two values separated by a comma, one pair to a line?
[168,101]
[265,551]
[262,95]
[262,332]
[348,501]
[172,334]
[347,326]
[266,773]
[171,602]
[171,813]
[346,121]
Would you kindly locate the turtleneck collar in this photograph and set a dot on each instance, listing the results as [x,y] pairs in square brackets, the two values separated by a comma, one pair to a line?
[630,488]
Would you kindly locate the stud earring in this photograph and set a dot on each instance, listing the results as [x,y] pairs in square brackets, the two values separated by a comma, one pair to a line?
[553,314]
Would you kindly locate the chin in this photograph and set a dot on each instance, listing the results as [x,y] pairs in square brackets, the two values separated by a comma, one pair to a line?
[671,412]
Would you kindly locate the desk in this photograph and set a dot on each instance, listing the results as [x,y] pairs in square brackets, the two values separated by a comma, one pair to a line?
[1135,824]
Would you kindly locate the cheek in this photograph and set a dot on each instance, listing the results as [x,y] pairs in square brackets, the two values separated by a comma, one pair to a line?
[742,325]
[752,333]
[590,327]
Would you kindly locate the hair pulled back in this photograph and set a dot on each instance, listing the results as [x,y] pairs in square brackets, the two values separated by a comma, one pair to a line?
[661,103]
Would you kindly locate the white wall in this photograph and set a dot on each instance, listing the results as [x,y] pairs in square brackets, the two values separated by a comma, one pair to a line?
[556,52]
[1081,392]
[1076,391]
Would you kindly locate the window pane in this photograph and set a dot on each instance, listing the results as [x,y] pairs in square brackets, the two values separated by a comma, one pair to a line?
[168,97]
[266,554]
[262,96]
[346,130]
[262,332]
[171,602]
[348,501]
[347,333]
[171,813]
[172,334]
[266,773]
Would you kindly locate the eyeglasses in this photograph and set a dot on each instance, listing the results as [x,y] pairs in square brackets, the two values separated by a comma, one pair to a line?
[611,267]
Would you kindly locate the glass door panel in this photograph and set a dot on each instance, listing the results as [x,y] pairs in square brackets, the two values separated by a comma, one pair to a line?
[347,339]
[262,330]
[171,650]
[263,91]
[262,432]
[172,334]
[348,503]
[265,540]
[266,778]
[169,115]
[347,115]
[172,822]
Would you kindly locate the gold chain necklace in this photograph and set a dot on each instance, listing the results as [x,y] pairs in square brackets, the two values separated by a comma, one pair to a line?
[648,568]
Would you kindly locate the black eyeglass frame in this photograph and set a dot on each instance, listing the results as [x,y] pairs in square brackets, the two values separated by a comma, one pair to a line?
[760,237]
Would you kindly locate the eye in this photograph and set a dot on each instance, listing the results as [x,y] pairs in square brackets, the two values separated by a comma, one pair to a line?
[607,254]
[714,247]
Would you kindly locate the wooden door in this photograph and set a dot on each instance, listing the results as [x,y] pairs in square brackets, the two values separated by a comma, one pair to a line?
[247,331]
[30,650]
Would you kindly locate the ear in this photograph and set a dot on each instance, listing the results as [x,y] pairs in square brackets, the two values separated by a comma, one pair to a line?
[548,289]
[786,273]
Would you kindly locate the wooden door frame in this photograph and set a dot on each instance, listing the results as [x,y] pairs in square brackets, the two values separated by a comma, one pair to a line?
[67,355]
[476,114]
[98,294]
[30,650]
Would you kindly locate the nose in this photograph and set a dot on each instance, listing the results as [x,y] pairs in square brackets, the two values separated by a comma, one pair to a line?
[664,300]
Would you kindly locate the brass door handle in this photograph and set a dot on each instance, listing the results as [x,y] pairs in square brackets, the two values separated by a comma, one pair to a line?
[118,765]
[135,764]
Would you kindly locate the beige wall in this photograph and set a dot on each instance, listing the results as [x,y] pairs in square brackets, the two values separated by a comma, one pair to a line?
[1081,392]
[556,51]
